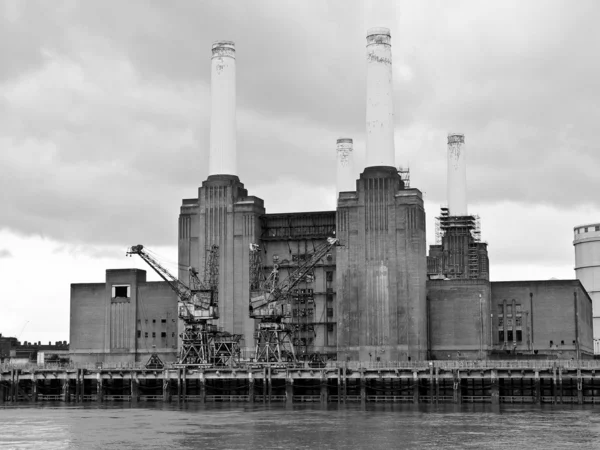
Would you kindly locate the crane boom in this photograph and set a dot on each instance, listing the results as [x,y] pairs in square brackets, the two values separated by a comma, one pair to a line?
[197,304]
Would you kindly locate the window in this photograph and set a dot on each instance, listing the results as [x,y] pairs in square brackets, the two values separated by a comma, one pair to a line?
[329,276]
[310,311]
[509,335]
[329,297]
[597,228]
[330,327]
[518,321]
[508,309]
[154,334]
[519,335]
[173,334]
[153,320]
[120,291]
[329,312]
[163,320]
[501,335]
[518,308]
[501,322]
[146,334]
[562,342]
[139,333]
[163,334]
[586,230]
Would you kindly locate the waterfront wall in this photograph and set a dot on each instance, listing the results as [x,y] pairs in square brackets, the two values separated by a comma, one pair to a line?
[494,382]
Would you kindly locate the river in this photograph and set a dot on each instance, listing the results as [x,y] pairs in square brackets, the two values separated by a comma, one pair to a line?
[243,426]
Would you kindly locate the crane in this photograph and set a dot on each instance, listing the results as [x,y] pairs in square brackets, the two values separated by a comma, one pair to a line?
[201,342]
[270,302]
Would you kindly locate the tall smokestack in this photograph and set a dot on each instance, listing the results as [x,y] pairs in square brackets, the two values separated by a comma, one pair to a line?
[346,178]
[380,105]
[457,175]
[222,157]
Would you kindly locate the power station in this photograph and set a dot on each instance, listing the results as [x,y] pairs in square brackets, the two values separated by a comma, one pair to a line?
[375,295]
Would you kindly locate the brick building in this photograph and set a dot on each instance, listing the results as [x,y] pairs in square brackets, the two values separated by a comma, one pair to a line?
[123,320]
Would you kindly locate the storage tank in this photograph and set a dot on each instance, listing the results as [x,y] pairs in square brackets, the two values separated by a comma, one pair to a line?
[587,269]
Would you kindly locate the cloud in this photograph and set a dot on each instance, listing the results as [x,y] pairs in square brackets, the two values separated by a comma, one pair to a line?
[5,253]
[106,115]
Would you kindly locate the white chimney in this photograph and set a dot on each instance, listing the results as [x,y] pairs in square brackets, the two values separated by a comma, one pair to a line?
[457,175]
[380,105]
[346,178]
[222,157]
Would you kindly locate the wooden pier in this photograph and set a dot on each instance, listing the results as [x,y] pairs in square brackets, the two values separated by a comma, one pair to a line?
[495,382]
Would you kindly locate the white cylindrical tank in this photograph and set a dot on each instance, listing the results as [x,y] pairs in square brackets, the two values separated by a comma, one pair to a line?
[587,268]
[346,179]
[457,175]
[222,156]
[380,104]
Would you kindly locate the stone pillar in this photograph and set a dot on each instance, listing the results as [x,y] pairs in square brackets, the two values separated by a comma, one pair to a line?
[34,394]
[179,384]
[184,385]
[554,387]
[560,386]
[437,385]
[415,387]
[431,386]
[579,388]
[65,388]
[135,387]
[289,390]
[457,397]
[363,388]
[495,387]
[14,385]
[344,384]
[202,388]
[537,397]
[324,390]
[166,386]
[269,386]
[99,388]
[250,386]
[339,385]
[264,387]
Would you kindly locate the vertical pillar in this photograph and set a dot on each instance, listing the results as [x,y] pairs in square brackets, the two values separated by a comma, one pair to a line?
[14,385]
[437,385]
[554,387]
[324,393]
[363,388]
[179,384]
[99,387]
[264,386]
[202,387]
[250,386]
[269,385]
[560,386]
[65,388]
[166,385]
[415,387]
[431,386]
[579,388]
[77,386]
[289,390]
[135,387]
[34,395]
[537,391]
[495,387]
[339,385]
[184,383]
[456,385]
[2,390]
[344,384]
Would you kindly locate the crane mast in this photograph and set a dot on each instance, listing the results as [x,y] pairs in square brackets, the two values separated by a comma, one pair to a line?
[270,302]
[201,342]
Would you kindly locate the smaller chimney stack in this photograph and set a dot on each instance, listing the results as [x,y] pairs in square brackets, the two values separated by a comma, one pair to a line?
[222,156]
[457,175]
[346,180]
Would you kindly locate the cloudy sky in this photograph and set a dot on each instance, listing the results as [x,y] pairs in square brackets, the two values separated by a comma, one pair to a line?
[104,120]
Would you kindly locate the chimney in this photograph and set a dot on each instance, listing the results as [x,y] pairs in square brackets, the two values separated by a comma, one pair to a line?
[380,105]
[457,175]
[346,179]
[222,157]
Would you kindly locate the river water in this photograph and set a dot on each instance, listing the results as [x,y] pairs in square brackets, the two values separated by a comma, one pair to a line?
[243,426]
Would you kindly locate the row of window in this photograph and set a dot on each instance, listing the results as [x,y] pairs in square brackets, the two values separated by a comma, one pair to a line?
[163,334]
[587,229]
[518,337]
[509,308]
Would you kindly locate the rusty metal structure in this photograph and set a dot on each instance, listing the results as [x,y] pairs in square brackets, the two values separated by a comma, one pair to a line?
[202,343]
[272,303]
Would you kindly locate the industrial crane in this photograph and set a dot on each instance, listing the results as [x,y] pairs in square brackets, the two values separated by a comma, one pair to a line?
[270,302]
[201,342]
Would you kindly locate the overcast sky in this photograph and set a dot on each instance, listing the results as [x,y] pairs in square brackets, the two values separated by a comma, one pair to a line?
[104,120]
